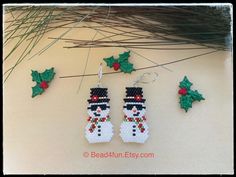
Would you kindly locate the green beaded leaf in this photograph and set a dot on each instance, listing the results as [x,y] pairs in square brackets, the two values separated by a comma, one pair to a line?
[124,57]
[185,83]
[196,95]
[186,102]
[110,61]
[48,75]
[36,76]
[37,90]
[126,67]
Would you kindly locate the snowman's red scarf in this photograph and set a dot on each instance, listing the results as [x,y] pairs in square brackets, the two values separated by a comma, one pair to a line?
[137,121]
[95,121]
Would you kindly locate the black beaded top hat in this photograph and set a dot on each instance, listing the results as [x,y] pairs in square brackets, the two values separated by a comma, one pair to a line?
[98,95]
[134,94]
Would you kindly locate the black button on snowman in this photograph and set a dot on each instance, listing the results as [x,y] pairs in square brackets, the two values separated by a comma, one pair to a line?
[134,127]
[99,129]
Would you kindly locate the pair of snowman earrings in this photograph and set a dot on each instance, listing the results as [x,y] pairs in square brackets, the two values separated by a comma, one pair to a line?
[133,128]
[100,129]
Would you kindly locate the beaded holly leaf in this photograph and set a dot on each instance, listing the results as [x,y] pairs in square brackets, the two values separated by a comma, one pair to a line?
[121,62]
[42,80]
[188,96]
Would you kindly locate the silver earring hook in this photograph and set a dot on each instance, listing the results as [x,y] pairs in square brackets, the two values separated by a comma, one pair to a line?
[100,75]
[141,78]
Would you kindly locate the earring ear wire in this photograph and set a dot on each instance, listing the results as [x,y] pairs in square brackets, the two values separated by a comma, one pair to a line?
[141,78]
[100,74]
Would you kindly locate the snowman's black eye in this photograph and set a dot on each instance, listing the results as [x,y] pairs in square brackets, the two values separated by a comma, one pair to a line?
[138,106]
[103,106]
[129,106]
[94,107]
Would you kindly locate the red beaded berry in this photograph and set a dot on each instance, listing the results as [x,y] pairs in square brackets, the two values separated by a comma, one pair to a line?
[44,85]
[116,66]
[183,91]
[94,98]
[138,97]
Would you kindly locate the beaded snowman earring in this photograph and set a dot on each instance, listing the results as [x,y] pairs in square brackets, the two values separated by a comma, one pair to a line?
[134,127]
[99,128]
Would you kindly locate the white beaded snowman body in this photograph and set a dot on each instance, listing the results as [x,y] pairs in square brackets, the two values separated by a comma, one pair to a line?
[134,127]
[99,128]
